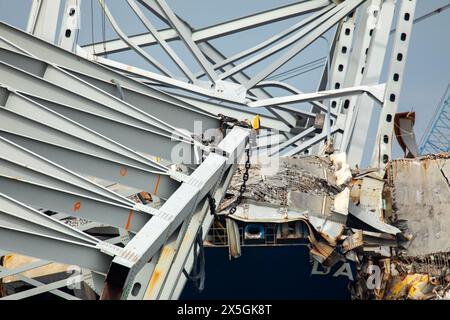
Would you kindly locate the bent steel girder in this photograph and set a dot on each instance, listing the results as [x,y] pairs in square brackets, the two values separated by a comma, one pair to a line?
[31,232]
[284,111]
[170,52]
[161,102]
[83,136]
[147,136]
[212,32]
[136,98]
[174,211]
[44,184]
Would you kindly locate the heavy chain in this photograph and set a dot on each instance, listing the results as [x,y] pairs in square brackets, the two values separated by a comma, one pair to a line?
[243,187]
[212,204]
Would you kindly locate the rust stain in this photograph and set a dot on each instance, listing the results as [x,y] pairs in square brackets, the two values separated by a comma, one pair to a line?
[166,252]
[155,192]
[153,281]
[76,206]
[123,171]
[127,226]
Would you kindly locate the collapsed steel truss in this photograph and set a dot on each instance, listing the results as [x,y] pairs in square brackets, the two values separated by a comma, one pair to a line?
[80,133]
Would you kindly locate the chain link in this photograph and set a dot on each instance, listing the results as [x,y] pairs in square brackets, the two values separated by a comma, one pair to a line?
[212,204]
[243,187]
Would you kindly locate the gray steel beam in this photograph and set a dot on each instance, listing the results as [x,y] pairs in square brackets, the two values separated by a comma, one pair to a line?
[76,205]
[302,135]
[63,85]
[282,115]
[18,215]
[355,67]
[382,152]
[170,264]
[64,248]
[70,25]
[375,91]
[269,41]
[8,45]
[47,133]
[185,34]
[339,12]
[184,246]
[43,19]
[97,168]
[340,65]
[44,288]
[87,140]
[23,268]
[36,283]
[142,74]
[130,42]
[176,209]
[43,184]
[337,69]
[137,138]
[162,263]
[355,134]
[155,33]
[43,50]
[313,24]
[74,84]
[240,77]
[136,134]
[186,119]
[309,143]
[267,121]
[17,154]
[213,55]
[216,57]
[56,75]
[220,29]
[292,89]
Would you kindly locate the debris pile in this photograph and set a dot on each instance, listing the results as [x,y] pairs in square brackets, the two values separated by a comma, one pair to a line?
[394,228]
[291,176]
[418,267]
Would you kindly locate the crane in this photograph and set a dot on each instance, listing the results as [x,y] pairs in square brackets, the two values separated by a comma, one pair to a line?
[436,138]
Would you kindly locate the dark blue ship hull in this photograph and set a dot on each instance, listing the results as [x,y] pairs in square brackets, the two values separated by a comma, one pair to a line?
[270,272]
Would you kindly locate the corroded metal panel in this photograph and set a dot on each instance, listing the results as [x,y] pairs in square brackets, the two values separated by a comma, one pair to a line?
[421,195]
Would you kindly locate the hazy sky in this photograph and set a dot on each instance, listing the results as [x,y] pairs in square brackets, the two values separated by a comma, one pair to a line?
[427,70]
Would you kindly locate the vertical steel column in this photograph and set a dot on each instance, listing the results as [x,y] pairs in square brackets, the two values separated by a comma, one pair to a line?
[383,146]
[340,61]
[357,131]
[70,25]
[368,17]
[339,65]
[43,19]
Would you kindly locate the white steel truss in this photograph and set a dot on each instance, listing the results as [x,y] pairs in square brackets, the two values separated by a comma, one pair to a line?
[82,134]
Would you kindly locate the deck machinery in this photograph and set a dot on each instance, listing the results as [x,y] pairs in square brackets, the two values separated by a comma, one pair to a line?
[112,175]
